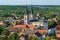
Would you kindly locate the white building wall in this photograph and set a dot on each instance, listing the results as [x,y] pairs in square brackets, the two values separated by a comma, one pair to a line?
[31,17]
[25,19]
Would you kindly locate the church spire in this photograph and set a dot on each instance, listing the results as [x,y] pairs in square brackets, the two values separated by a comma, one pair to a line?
[32,10]
[27,11]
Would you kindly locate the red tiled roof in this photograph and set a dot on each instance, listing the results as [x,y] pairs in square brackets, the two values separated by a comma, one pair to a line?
[20,26]
[24,26]
[58,27]
[57,30]
[58,35]
[31,26]
[42,31]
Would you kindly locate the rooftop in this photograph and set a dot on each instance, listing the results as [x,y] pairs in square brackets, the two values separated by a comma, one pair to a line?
[42,31]
[31,26]
[58,27]
[20,26]
[24,26]
[58,35]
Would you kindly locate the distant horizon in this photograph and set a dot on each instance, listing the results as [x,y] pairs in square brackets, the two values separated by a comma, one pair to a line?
[29,2]
[29,5]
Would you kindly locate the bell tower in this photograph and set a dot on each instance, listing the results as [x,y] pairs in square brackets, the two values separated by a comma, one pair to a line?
[26,16]
[31,15]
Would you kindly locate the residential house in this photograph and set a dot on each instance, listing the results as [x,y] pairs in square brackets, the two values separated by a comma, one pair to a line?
[31,26]
[58,31]
[42,32]
[20,27]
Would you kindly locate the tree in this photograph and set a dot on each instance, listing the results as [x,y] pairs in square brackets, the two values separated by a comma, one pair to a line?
[14,36]
[58,17]
[58,39]
[52,24]
[33,38]
[8,24]
[3,38]
[49,14]
[47,38]
[1,29]
[5,32]
[54,37]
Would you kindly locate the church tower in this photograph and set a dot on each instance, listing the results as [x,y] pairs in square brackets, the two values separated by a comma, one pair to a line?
[26,16]
[31,15]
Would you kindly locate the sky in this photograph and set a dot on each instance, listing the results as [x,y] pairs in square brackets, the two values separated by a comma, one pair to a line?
[29,2]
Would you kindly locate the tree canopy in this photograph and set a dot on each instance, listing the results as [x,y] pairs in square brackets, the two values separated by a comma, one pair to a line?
[6,32]
[52,24]
[33,38]
[14,36]
[1,29]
